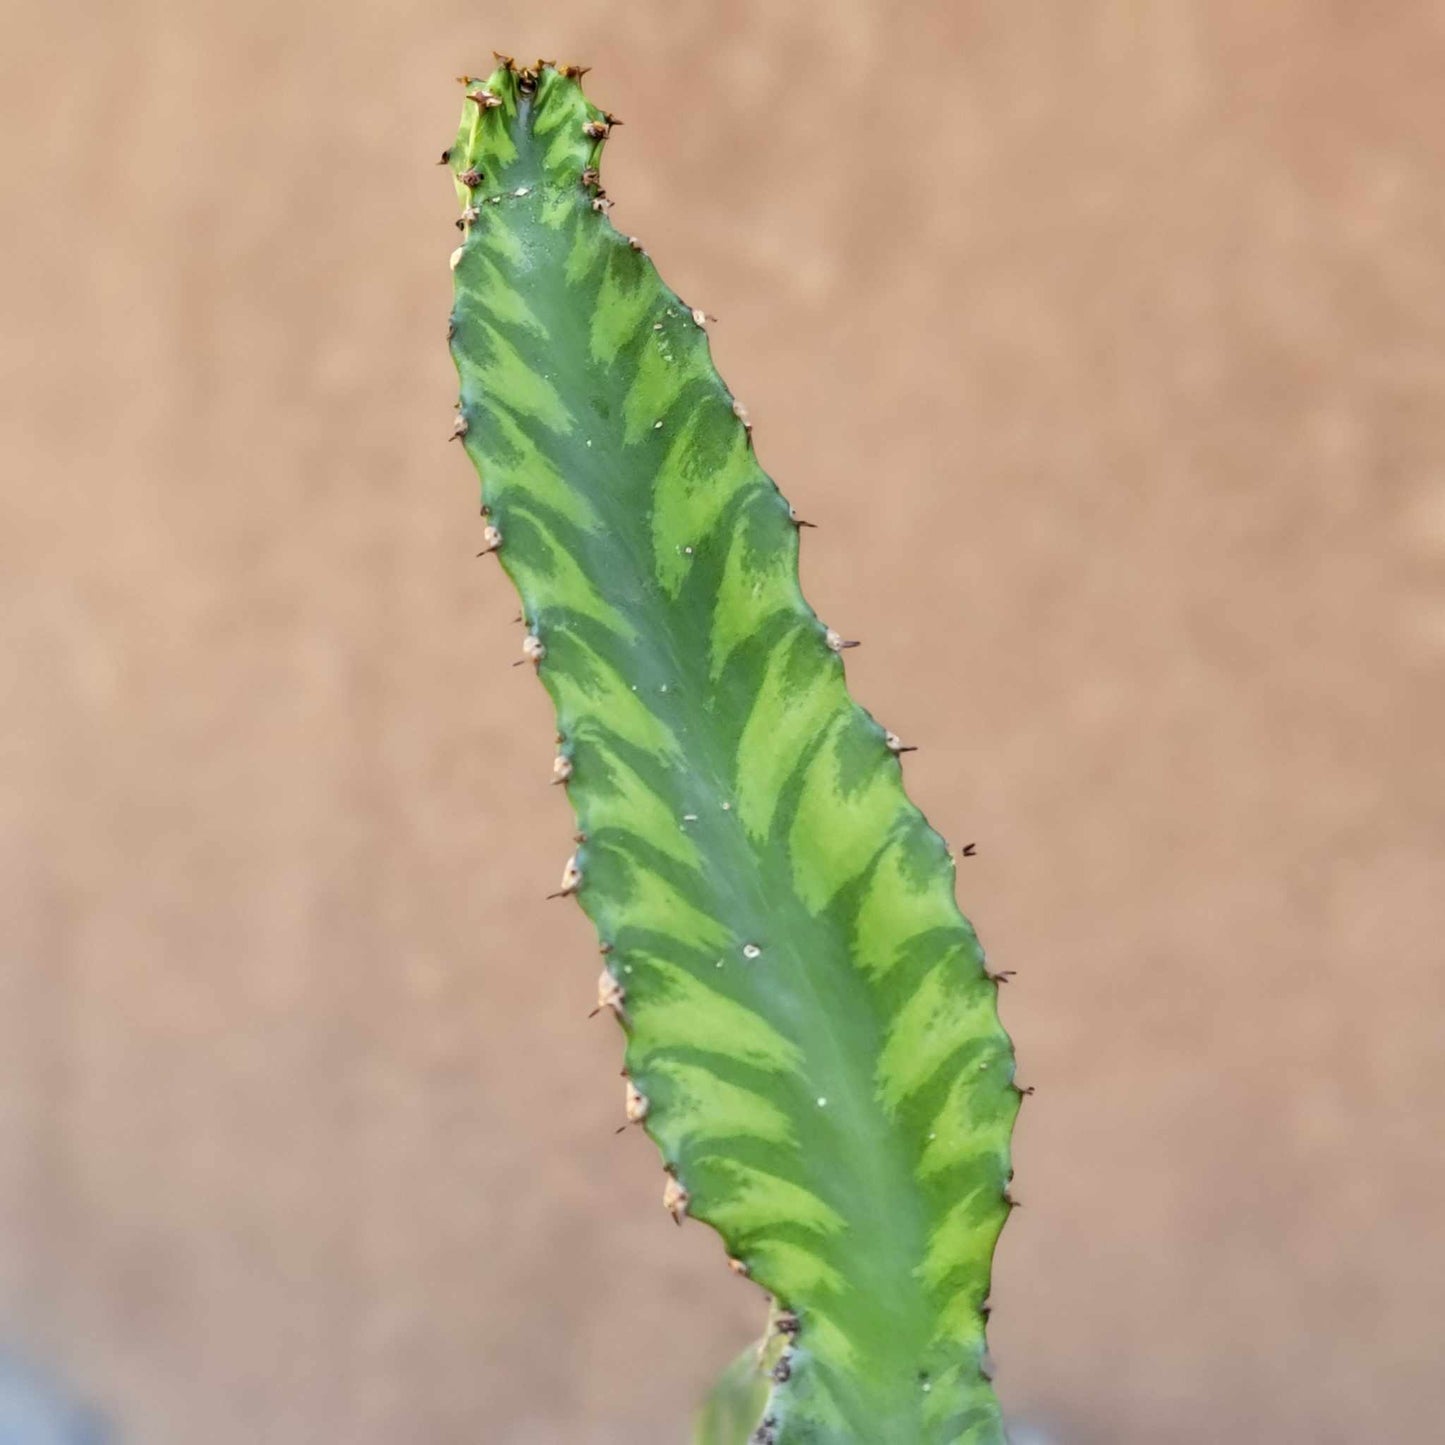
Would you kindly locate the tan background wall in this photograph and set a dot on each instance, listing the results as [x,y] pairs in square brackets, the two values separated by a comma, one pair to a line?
[1106,342]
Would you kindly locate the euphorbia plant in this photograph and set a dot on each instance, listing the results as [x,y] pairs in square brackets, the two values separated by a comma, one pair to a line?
[812,1037]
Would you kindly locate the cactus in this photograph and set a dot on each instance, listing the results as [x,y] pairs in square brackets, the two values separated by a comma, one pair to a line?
[812,1038]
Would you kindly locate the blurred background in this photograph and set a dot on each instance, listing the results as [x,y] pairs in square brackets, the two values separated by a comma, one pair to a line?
[1105,342]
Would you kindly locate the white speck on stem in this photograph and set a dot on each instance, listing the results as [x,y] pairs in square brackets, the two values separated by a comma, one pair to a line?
[520,192]
[689,817]
[751,950]
[727,807]
[822,1102]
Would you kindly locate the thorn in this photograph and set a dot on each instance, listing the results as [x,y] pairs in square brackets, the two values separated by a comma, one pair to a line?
[1004,975]
[591,176]
[595,130]
[700,318]
[675,1199]
[837,643]
[741,412]
[451,328]
[571,879]
[493,539]
[783,1370]
[527,81]
[796,520]
[611,119]
[505,61]
[897,745]
[604,948]
[484,99]
[635,244]
[786,1323]
[561,768]
[1011,1201]
[456,258]
[601,204]
[635,1104]
[533,650]
[446,157]
[579,837]
[459,429]
[574,72]
[969,850]
[471,178]
[610,995]
[737,1267]
[1025,1089]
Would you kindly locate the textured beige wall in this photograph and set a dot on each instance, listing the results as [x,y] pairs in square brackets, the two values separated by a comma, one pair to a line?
[1105,340]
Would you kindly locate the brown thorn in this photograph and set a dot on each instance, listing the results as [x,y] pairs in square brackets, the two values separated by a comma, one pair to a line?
[446,157]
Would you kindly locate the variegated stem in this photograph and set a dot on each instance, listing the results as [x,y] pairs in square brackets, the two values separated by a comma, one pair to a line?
[812,1037]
